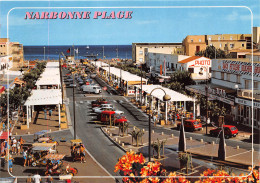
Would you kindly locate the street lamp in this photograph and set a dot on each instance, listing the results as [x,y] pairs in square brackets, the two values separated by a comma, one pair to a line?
[206,90]
[166,98]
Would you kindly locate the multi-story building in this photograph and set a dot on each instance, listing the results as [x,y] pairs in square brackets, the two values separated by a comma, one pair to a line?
[140,49]
[194,44]
[227,42]
[232,84]
[13,49]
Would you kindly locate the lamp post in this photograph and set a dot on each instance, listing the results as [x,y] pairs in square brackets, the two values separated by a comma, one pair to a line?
[74,115]
[206,90]
[165,98]
[141,85]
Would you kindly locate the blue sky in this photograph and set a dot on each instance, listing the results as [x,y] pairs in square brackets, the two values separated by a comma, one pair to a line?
[147,24]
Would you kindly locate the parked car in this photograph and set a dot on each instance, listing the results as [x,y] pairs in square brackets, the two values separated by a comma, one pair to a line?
[98,102]
[229,131]
[191,125]
[109,106]
[73,85]
[120,119]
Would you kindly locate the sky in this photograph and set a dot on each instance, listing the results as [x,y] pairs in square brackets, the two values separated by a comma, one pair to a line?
[152,21]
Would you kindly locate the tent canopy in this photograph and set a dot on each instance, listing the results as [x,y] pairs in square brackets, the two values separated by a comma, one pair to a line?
[44,97]
[51,75]
[158,93]
[127,76]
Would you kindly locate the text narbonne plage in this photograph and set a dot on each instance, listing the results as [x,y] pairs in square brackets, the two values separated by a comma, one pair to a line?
[79,15]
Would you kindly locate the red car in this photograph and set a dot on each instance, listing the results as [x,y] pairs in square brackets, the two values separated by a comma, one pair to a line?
[229,131]
[191,125]
[97,103]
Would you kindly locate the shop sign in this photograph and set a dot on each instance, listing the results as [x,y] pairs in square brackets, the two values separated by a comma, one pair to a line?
[244,68]
[217,91]
[247,102]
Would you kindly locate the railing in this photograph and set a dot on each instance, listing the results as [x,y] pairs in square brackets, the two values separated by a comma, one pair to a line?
[246,93]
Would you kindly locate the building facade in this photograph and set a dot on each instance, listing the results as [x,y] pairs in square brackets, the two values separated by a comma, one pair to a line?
[236,84]
[13,49]
[194,44]
[139,50]
[166,64]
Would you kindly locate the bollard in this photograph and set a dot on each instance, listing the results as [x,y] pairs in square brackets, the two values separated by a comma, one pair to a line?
[162,133]
[201,140]
[152,131]
[16,133]
[190,138]
[119,142]
[28,133]
[143,130]
[116,139]
[130,150]
[237,147]
[123,144]
[110,134]
[134,127]
[50,130]
[172,135]
[213,143]
[59,129]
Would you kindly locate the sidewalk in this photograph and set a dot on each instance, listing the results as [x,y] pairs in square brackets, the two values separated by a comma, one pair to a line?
[234,156]
[85,170]
[38,123]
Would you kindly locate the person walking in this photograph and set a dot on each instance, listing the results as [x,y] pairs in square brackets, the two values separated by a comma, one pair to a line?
[82,153]
[37,178]
[50,113]
[45,113]
[14,145]
[21,143]
[25,157]
[10,163]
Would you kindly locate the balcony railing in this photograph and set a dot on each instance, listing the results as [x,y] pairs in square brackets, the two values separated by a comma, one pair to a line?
[249,94]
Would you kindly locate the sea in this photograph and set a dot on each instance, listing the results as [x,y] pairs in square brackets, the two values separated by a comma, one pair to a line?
[52,52]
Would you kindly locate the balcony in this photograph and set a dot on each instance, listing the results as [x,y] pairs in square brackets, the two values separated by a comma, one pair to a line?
[249,94]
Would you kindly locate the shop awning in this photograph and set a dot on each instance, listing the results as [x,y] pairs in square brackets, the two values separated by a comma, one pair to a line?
[44,97]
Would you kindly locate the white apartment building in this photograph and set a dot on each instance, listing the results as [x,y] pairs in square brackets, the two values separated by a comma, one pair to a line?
[166,64]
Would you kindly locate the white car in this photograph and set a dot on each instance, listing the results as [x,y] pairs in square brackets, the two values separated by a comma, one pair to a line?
[103,106]
[99,110]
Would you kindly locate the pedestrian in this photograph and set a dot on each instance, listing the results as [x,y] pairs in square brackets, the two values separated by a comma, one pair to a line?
[37,178]
[3,161]
[2,148]
[49,179]
[29,158]
[25,157]
[45,113]
[82,153]
[18,147]
[50,113]
[14,145]
[21,143]
[10,163]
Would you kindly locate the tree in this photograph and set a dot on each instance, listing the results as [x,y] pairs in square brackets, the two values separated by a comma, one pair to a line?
[179,80]
[211,52]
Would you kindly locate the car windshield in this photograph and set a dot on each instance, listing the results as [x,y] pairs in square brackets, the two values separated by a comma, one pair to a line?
[233,128]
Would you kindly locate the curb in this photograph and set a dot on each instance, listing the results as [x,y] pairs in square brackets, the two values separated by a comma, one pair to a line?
[118,145]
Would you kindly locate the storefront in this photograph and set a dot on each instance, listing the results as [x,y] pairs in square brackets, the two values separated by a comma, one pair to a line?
[244,112]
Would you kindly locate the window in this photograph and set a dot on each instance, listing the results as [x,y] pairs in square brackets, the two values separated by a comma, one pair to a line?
[222,75]
[209,38]
[197,49]
[219,38]
[191,40]
[191,70]
[228,77]
[232,45]
[199,40]
[246,84]
[243,45]
[231,38]
[238,78]
[140,59]
[255,85]
[225,45]
[140,52]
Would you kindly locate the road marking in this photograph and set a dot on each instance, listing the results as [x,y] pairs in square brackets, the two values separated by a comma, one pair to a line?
[238,154]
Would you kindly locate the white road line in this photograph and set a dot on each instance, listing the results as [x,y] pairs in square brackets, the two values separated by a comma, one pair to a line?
[238,154]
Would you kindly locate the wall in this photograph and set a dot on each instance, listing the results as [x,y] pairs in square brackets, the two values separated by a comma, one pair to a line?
[191,42]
